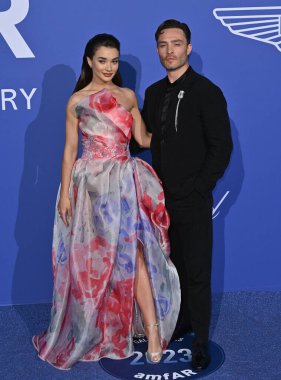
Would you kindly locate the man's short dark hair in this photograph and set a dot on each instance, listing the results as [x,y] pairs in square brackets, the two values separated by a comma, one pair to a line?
[168,24]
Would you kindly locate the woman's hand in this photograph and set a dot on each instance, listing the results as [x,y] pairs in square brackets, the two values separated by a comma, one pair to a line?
[64,209]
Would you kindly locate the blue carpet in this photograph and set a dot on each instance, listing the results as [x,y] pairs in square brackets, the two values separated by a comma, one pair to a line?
[247,325]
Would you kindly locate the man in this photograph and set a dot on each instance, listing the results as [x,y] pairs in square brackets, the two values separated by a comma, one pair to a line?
[191,146]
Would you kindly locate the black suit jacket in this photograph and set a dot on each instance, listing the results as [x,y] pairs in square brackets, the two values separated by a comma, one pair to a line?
[193,154]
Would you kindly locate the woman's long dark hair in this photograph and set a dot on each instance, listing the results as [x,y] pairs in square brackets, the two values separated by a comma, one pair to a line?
[92,46]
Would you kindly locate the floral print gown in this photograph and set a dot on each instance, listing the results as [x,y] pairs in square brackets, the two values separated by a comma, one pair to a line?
[117,201]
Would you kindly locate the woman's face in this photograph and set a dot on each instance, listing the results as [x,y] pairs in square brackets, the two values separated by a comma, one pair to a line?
[104,64]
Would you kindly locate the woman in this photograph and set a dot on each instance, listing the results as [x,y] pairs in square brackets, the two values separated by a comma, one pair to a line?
[112,273]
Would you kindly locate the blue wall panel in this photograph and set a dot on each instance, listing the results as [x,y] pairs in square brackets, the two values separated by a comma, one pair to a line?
[247,232]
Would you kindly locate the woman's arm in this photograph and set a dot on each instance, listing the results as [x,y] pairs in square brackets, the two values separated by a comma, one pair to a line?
[140,133]
[69,157]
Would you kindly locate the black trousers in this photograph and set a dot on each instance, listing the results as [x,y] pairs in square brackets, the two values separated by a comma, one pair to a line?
[191,252]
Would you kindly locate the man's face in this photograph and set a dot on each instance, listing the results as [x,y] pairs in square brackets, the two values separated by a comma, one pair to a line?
[173,49]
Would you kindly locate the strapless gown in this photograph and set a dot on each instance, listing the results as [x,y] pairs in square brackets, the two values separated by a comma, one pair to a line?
[117,201]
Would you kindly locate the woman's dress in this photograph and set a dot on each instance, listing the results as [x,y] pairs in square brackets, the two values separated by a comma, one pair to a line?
[117,201]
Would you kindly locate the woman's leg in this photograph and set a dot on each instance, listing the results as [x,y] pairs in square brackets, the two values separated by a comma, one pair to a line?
[144,298]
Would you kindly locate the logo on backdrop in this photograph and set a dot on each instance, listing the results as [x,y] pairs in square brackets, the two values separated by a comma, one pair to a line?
[8,21]
[175,364]
[216,209]
[9,96]
[257,23]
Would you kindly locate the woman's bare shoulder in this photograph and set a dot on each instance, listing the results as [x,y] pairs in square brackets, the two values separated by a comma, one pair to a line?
[130,96]
[128,92]
[77,97]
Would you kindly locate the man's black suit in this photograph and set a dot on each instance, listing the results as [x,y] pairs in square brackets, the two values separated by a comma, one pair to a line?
[190,152]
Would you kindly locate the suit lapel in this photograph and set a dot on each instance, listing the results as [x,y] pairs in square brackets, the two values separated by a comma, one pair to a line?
[185,86]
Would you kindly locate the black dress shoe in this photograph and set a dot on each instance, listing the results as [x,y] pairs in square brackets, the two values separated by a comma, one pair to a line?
[200,356]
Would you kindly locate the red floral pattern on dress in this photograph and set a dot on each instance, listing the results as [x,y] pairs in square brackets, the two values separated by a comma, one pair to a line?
[75,192]
[103,103]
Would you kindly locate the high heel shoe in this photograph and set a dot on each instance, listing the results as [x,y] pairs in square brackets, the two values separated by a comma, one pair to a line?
[150,355]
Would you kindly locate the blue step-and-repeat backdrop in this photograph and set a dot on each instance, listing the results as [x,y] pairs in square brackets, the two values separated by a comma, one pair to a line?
[237,44]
